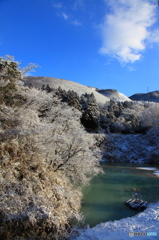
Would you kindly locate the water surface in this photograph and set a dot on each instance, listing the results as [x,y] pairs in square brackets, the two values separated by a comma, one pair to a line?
[104,198]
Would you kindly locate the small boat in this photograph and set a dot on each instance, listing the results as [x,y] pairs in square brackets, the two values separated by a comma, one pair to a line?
[136,202]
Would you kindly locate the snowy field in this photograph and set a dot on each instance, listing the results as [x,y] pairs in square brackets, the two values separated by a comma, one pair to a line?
[146,222]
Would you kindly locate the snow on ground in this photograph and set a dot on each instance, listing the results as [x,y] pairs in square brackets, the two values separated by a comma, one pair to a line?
[145,222]
[156,173]
[147,168]
[126,148]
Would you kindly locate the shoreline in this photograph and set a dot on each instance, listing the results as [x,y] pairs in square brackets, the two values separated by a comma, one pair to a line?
[146,222]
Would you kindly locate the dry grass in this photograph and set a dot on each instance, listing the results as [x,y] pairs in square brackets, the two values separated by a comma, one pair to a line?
[35,202]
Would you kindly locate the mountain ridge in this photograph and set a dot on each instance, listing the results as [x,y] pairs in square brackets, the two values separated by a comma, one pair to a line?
[150,96]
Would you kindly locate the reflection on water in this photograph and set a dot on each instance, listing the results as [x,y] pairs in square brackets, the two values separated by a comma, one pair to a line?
[104,198]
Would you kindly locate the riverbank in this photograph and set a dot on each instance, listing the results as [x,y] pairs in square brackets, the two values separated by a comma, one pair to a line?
[132,148]
[145,222]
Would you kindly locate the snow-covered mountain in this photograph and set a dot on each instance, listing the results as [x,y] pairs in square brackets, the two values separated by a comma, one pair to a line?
[114,95]
[101,96]
[150,96]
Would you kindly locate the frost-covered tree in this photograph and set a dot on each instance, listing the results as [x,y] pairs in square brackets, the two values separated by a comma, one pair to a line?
[91,114]
[70,97]
[9,70]
[10,76]
[150,116]
[44,154]
[29,68]
[63,141]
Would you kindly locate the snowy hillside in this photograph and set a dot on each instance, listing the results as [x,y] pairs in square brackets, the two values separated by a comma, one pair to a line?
[70,85]
[66,85]
[114,95]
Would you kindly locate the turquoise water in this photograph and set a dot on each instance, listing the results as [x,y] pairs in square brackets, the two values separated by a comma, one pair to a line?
[104,198]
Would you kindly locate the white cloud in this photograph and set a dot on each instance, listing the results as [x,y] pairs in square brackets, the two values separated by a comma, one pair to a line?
[79,4]
[76,23]
[57,5]
[65,16]
[69,18]
[154,36]
[131,69]
[126,29]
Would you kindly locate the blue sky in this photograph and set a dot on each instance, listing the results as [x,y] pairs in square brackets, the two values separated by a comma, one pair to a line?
[100,43]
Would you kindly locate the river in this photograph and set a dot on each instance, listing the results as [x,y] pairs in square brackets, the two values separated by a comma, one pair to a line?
[105,196]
